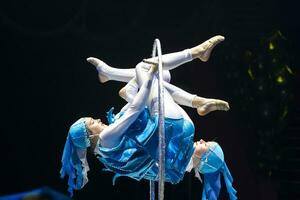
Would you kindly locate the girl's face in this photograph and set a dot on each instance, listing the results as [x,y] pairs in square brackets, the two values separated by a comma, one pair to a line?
[200,148]
[95,126]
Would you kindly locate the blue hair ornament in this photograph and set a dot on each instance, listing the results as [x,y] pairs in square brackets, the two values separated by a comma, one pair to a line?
[74,162]
[211,165]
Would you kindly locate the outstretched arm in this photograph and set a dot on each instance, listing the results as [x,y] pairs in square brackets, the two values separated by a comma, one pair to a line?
[111,135]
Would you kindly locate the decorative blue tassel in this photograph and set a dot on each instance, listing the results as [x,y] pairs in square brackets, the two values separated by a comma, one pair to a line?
[212,184]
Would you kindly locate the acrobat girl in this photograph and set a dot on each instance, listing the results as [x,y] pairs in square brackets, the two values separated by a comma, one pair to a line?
[128,146]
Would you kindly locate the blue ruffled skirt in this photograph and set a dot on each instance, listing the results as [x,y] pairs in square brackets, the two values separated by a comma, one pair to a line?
[137,155]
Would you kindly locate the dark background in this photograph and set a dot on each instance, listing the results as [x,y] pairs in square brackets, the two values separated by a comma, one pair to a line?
[46,84]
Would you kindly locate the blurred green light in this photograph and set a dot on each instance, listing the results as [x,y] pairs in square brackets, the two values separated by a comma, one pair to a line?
[284,113]
[270,173]
[289,69]
[250,73]
[279,79]
[271,46]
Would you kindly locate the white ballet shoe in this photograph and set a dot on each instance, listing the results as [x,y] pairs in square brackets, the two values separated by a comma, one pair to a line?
[203,50]
[99,64]
[212,105]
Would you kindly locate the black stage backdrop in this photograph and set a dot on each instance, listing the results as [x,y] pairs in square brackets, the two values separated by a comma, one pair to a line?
[46,84]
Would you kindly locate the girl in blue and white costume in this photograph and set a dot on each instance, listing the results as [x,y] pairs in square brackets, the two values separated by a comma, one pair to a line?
[128,146]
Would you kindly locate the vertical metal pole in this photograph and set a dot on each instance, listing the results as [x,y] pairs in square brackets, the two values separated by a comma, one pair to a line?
[152,183]
[161,183]
[161,128]
[152,190]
